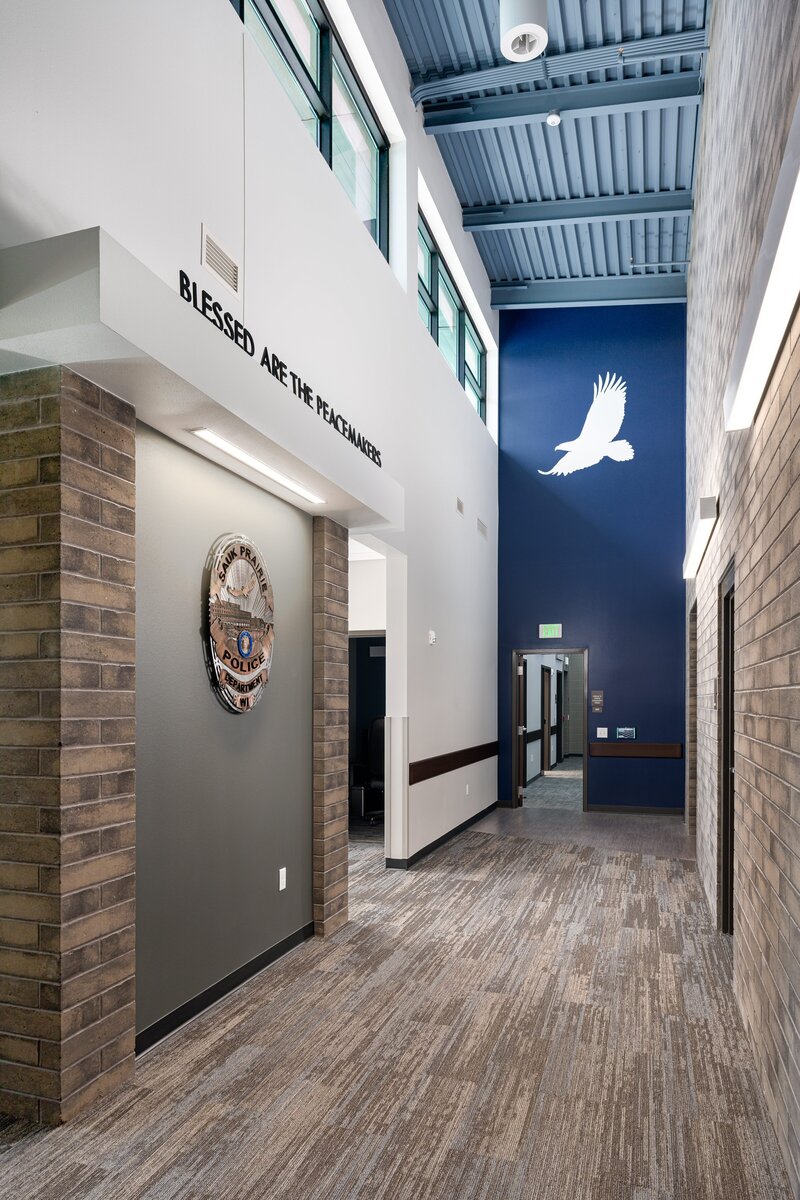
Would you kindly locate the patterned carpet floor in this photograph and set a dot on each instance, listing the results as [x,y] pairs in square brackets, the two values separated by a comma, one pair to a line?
[562,787]
[508,1020]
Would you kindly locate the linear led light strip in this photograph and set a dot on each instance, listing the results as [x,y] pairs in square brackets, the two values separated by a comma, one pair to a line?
[773,293]
[256,464]
[704,522]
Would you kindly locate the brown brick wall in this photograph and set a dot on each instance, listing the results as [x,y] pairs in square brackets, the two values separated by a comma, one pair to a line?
[67,741]
[755,473]
[331,726]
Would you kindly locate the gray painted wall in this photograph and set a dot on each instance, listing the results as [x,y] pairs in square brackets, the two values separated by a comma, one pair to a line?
[223,800]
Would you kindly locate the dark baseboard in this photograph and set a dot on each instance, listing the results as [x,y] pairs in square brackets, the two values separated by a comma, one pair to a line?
[402,864]
[192,1008]
[631,808]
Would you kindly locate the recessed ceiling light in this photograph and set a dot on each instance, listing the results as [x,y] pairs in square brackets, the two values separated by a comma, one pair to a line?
[256,464]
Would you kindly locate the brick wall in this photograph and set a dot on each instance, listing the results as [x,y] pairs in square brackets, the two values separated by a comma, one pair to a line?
[331,726]
[67,882]
[749,103]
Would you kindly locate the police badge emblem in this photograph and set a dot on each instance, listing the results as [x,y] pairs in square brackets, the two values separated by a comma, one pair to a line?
[241,622]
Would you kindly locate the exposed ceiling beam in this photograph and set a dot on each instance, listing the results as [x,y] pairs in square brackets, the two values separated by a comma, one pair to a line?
[586,211]
[578,293]
[587,100]
[555,66]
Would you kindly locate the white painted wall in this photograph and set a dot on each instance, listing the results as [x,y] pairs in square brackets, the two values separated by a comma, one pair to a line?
[168,116]
[368,596]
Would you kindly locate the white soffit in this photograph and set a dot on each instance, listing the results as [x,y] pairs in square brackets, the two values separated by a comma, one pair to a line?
[83,301]
[359,552]
[773,293]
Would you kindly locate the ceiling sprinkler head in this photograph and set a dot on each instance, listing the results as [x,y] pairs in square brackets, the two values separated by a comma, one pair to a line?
[553,118]
[523,29]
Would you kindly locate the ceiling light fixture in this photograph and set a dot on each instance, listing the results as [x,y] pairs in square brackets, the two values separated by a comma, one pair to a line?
[523,29]
[255,464]
[706,519]
[773,294]
[553,118]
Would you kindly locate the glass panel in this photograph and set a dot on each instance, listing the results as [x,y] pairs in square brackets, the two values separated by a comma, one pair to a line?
[473,349]
[356,157]
[272,54]
[423,260]
[424,312]
[298,22]
[448,321]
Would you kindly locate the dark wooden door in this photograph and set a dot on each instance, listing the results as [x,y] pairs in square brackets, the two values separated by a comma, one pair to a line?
[726,754]
[546,709]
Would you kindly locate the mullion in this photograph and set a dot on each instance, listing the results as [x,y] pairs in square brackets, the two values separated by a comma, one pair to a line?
[294,60]
[326,93]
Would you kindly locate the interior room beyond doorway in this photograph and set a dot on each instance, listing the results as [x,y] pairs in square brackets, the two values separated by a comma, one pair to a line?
[367,695]
[552,700]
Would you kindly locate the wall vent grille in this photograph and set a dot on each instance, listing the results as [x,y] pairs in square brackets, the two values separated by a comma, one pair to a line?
[460,505]
[216,260]
[482,529]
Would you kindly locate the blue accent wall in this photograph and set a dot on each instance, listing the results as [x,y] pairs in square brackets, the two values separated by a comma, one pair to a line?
[599,550]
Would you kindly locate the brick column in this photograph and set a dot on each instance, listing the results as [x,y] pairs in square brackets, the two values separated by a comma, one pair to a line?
[331,726]
[67,881]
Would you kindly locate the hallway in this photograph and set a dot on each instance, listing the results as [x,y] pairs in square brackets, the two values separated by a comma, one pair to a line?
[561,787]
[511,1018]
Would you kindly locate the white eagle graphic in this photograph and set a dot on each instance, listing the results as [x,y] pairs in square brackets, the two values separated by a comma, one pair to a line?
[603,423]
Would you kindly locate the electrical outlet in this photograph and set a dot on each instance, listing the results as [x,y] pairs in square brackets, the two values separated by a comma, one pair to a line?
[467,789]
[281,879]
[602,732]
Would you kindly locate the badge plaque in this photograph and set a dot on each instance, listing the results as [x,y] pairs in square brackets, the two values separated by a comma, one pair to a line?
[241,622]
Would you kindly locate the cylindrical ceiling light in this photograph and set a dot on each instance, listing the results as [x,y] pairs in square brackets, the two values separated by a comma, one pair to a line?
[523,29]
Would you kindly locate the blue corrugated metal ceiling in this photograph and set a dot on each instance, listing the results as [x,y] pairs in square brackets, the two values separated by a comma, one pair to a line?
[598,208]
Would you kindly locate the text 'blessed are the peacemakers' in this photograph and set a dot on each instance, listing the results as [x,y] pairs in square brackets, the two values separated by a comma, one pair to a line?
[233,329]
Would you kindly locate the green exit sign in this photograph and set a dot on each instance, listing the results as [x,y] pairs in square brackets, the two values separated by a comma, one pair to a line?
[550,631]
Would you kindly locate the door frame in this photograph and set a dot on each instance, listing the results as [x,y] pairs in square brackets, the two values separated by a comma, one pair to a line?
[559,715]
[726,690]
[546,673]
[517,715]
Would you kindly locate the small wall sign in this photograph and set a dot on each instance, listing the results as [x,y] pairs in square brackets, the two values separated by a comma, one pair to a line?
[550,631]
[241,622]
[597,701]
[626,733]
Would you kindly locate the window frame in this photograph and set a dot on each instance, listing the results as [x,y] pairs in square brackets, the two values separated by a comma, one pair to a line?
[430,298]
[319,94]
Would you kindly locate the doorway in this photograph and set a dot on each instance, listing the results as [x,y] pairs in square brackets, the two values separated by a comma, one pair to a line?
[726,853]
[691,724]
[550,729]
[367,688]
[546,719]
